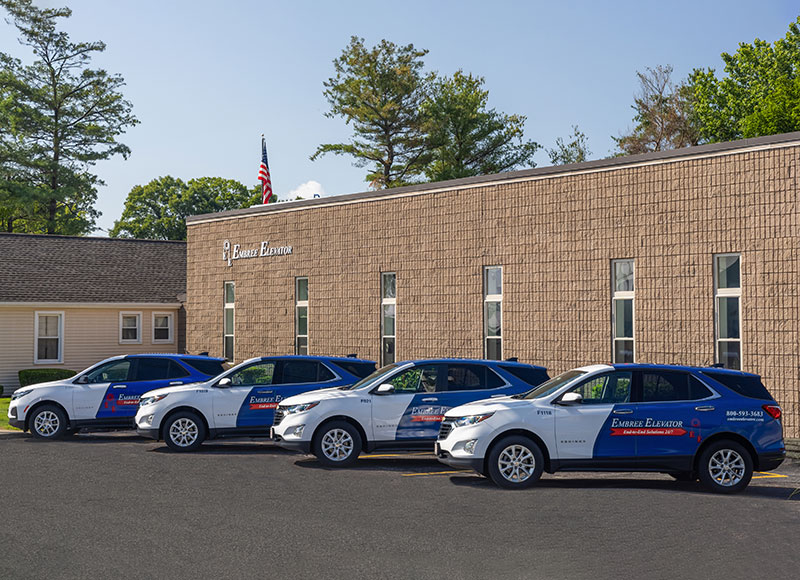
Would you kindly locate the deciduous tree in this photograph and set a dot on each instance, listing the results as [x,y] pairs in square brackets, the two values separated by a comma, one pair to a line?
[758,95]
[158,210]
[576,150]
[663,117]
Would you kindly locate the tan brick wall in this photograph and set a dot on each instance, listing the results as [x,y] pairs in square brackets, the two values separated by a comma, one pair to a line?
[555,238]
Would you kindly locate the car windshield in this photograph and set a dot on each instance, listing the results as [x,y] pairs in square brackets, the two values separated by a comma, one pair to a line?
[550,386]
[371,378]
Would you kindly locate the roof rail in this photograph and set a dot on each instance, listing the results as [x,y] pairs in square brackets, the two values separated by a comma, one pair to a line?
[512,359]
[352,355]
[718,366]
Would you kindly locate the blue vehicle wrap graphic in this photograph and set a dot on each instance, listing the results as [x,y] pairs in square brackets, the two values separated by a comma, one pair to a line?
[421,419]
[119,402]
[258,407]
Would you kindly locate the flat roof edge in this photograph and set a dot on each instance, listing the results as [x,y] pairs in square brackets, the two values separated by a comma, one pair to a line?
[699,151]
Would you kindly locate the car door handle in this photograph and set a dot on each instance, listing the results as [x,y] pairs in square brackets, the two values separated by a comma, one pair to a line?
[265,392]
[704,408]
[175,383]
[623,411]
[429,399]
[120,387]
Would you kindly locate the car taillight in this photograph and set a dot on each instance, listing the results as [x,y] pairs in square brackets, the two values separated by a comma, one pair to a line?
[774,411]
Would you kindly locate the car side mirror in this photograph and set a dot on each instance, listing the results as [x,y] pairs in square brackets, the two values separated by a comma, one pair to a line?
[82,380]
[385,389]
[224,383]
[571,399]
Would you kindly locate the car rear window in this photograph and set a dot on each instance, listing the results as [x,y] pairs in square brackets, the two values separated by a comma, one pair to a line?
[530,375]
[358,369]
[210,367]
[746,385]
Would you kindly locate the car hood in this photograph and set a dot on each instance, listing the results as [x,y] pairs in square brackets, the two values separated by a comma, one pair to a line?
[175,389]
[46,385]
[488,406]
[320,395]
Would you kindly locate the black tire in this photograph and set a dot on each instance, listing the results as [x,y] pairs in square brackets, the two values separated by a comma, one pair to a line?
[506,450]
[683,476]
[725,467]
[49,422]
[337,444]
[184,431]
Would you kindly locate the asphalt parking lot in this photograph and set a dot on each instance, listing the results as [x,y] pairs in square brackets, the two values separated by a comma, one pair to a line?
[117,506]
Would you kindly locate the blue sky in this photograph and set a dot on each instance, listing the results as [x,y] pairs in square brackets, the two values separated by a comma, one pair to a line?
[206,78]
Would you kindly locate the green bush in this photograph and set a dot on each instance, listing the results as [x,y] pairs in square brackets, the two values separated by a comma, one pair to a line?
[33,376]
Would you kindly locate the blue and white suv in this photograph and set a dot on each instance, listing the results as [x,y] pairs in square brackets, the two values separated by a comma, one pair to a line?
[105,395]
[714,424]
[241,401]
[398,407]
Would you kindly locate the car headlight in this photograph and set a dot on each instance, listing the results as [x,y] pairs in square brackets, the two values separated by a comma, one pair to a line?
[302,408]
[471,420]
[150,400]
[20,393]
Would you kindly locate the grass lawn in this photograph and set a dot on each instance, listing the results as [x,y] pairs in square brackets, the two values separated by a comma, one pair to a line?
[4,401]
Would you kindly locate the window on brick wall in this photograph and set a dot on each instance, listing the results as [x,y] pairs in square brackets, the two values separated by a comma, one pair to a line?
[728,309]
[301,315]
[229,296]
[493,312]
[388,317]
[622,311]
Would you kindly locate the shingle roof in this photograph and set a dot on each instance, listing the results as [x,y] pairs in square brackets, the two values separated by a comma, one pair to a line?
[42,268]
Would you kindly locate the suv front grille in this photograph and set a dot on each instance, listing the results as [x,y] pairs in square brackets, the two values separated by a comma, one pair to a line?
[445,428]
[278,417]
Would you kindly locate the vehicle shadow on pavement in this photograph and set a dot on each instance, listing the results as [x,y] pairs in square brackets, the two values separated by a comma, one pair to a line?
[368,463]
[239,448]
[761,491]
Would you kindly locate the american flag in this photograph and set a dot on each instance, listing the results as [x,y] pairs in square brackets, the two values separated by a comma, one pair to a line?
[263,174]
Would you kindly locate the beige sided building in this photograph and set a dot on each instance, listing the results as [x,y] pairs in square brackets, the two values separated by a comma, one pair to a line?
[69,302]
[688,256]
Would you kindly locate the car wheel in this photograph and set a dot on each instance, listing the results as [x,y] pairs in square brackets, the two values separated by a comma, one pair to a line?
[337,444]
[49,422]
[184,431]
[515,462]
[725,467]
[683,476]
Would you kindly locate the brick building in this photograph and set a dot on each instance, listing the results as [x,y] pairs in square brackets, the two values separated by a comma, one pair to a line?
[687,256]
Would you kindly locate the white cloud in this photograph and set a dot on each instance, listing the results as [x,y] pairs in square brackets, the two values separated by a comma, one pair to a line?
[306,190]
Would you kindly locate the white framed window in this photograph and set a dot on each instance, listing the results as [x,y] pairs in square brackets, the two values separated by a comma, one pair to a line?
[228,319]
[493,312]
[728,310]
[163,324]
[48,339]
[301,315]
[388,317]
[130,328]
[622,311]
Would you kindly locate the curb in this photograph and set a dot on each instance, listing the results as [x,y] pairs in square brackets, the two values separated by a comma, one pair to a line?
[9,434]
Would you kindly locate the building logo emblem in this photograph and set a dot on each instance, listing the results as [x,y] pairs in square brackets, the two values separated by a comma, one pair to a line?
[230,253]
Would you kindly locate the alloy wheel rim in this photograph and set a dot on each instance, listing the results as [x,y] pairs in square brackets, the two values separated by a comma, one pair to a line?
[337,445]
[516,463]
[726,467]
[46,423]
[183,432]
